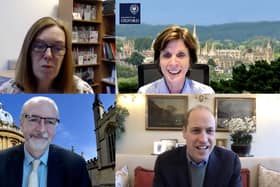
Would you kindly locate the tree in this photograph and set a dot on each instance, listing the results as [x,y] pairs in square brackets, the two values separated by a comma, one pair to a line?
[141,44]
[126,71]
[260,77]
[136,58]
[119,45]
[211,62]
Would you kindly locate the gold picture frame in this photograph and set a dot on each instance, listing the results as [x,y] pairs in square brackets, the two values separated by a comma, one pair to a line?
[166,112]
[233,107]
[222,142]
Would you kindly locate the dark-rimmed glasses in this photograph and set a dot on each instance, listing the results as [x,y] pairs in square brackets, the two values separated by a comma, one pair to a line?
[41,47]
[35,120]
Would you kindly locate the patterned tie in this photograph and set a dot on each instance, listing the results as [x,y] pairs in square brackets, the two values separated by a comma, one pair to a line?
[33,177]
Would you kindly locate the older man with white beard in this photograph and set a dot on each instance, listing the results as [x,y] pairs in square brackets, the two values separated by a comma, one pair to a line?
[38,163]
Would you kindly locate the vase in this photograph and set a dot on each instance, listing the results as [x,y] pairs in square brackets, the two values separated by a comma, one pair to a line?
[242,150]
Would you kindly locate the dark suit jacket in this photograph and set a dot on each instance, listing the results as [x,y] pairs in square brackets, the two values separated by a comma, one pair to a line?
[223,169]
[64,168]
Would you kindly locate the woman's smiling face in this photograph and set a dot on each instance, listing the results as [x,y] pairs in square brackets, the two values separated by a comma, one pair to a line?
[174,61]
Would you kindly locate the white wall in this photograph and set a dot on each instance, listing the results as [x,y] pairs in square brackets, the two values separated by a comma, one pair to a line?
[137,140]
[16,18]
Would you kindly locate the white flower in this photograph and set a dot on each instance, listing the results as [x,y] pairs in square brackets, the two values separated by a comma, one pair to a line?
[246,124]
[241,129]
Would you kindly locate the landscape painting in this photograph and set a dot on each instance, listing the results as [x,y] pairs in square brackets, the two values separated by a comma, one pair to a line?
[166,112]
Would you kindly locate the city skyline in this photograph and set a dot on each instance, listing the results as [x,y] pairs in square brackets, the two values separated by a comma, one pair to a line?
[74,109]
[201,12]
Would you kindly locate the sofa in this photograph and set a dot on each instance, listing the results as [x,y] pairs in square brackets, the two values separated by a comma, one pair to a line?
[249,166]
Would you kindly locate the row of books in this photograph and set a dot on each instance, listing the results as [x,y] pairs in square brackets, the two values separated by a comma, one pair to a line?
[84,12]
[87,74]
[84,55]
[109,50]
[84,34]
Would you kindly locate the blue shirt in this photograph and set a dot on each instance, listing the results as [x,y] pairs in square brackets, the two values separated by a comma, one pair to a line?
[200,164]
[190,87]
[42,169]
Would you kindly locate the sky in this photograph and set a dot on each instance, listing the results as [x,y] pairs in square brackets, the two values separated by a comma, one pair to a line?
[77,123]
[204,12]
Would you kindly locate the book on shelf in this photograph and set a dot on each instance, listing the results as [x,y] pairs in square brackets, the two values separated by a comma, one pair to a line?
[93,36]
[84,12]
[84,55]
[109,50]
[112,78]
[84,34]
[110,89]
[113,49]
[113,74]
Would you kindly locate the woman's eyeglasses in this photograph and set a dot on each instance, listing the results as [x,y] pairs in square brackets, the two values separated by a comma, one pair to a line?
[41,47]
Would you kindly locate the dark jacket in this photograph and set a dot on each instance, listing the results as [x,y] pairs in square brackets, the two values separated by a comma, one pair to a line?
[64,168]
[223,169]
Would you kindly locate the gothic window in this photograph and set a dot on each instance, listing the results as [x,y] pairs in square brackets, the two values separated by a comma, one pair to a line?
[110,139]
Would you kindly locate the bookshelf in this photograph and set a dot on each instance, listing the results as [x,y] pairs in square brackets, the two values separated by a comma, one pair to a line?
[85,19]
[108,61]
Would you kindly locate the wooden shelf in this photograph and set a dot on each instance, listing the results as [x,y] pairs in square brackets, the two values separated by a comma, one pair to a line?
[85,65]
[109,61]
[104,80]
[109,37]
[85,43]
[107,15]
[86,49]
[87,21]
[92,2]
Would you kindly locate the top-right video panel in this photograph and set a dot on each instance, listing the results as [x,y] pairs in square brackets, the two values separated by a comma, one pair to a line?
[198,48]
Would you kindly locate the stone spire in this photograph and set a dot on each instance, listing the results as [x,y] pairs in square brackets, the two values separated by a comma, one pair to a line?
[98,108]
[196,38]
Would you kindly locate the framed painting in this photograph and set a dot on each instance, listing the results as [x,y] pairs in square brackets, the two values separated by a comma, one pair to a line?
[227,108]
[165,112]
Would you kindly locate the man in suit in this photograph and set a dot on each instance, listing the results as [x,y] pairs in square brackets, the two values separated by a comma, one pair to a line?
[199,163]
[55,166]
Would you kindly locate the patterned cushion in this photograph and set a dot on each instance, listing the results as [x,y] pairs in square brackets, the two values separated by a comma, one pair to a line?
[121,177]
[268,178]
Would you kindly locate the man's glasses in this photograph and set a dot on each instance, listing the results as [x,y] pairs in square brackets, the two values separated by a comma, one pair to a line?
[35,120]
[41,47]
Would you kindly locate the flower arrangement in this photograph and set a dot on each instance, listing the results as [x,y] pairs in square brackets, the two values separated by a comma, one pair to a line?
[241,129]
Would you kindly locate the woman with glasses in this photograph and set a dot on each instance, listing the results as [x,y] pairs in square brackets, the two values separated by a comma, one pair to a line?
[45,62]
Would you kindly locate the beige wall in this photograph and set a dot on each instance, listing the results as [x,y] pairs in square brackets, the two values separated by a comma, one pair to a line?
[137,140]
[16,18]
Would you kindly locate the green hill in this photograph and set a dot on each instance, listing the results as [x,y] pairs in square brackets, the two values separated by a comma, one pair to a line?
[232,31]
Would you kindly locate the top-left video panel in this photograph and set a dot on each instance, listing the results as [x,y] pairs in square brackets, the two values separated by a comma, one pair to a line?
[63,49]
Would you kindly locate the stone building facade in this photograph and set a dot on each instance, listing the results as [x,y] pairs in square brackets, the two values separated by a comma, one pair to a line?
[101,169]
[10,134]
[227,58]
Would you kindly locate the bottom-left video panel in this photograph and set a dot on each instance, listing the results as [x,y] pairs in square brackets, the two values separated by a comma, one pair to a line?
[57,140]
